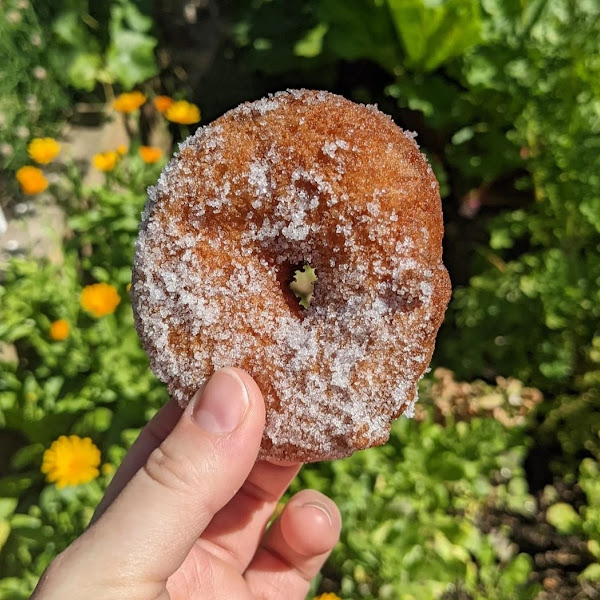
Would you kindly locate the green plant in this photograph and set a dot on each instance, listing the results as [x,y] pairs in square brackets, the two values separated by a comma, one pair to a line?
[108,43]
[32,100]
[95,382]
[412,507]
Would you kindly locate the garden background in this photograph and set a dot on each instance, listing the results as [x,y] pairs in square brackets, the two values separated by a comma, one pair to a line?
[493,490]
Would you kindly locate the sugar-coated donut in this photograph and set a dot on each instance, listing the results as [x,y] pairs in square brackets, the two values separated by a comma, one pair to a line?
[300,177]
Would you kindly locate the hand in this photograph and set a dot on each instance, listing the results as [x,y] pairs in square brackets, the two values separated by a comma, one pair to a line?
[185,514]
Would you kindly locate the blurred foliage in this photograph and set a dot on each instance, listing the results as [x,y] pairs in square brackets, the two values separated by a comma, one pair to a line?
[32,98]
[545,274]
[506,99]
[95,383]
[57,52]
[412,507]
[108,42]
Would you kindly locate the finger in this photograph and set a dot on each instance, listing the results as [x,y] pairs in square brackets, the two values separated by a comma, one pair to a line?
[150,527]
[236,530]
[150,438]
[295,547]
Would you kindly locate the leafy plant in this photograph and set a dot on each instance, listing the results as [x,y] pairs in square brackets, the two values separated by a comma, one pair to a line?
[32,99]
[123,53]
[413,508]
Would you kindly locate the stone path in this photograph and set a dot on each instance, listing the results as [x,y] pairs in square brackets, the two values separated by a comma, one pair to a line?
[36,225]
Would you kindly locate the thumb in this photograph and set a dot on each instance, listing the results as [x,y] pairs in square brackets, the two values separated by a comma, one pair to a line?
[153,523]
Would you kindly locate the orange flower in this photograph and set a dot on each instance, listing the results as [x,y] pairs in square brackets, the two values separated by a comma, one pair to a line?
[43,150]
[183,112]
[59,330]
[328,596]
[150,154]
[129,101]
[106,161]
[99,299]
[32,180]
[162,103]
[122,149]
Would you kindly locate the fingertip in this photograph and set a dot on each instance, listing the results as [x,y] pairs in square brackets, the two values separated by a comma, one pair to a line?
[311,523]
[257,402]
[228,400]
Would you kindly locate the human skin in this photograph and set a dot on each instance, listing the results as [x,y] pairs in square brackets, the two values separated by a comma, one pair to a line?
[185,515]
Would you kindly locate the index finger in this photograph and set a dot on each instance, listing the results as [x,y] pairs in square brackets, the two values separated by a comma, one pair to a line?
[152,436]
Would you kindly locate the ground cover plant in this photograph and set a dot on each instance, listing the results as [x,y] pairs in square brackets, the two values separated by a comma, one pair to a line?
[492,490]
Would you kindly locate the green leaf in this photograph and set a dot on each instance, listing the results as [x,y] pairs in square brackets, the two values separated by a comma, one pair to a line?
[22,521]
[594,548]
[69,29]
[94,422]
[591,572]
[135,19]
[52,387]
[14,485]
[311,44]
[432,34]
[4,532]
[15,588]
[26,456]
[7,507]
[130,57]
[563,517]
[360,29]
[83,71]
[590,209]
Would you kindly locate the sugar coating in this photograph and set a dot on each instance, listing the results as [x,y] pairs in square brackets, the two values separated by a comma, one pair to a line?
[298,177]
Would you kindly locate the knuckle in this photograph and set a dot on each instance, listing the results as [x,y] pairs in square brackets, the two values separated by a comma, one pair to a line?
[172,470]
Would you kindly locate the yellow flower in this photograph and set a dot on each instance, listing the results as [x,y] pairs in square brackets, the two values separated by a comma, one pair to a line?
[150,154]
[32,180]
[122,149]
[129,101]
[162,103]
[106,161]
[43,150]
[59,330]
[71,461]
[328,596]
[183,112]
[99,299]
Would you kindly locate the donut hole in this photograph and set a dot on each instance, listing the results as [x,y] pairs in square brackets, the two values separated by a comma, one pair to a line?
[302,283]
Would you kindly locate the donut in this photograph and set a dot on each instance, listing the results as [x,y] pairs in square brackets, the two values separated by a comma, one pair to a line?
[300,179]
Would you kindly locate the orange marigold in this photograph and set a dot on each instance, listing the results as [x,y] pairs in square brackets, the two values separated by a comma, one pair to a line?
[129,101]
[59,330]
[122,149]
[106,161]
[31,180]
[162,103]
[150,154]
[99,299]
[183,112]
[43,150]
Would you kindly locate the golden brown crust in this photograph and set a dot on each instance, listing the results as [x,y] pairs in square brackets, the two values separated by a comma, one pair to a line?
[301,177]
